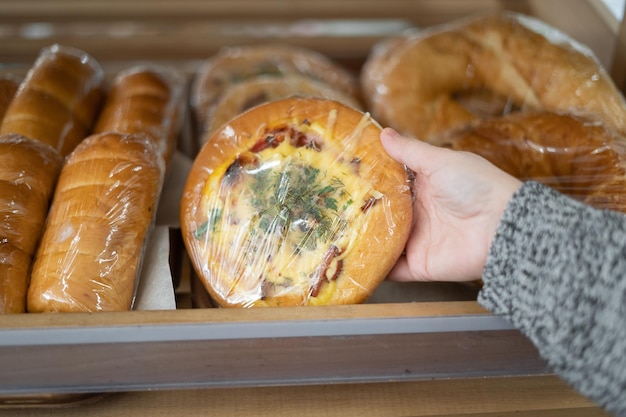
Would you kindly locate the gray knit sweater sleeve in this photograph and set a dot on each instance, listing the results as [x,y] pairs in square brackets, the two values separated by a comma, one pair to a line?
[557,271]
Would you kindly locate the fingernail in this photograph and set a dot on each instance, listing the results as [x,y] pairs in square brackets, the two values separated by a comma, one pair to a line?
[389,132]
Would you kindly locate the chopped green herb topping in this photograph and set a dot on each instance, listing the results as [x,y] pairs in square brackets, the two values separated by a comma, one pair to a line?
[298,198]
[215,215]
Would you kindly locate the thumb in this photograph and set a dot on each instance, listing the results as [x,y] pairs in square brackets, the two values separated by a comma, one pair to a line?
[413,153]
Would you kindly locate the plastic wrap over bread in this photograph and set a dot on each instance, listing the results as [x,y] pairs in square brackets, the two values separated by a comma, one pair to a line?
[27,180]
[511,88]
[441,78]
[258,90]
[59,99]
[582,159]
[295,202]
[273,65]
[8,87]
[146,99]
[101,215]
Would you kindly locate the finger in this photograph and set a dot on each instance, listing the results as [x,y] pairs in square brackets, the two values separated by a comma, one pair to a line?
[413,153]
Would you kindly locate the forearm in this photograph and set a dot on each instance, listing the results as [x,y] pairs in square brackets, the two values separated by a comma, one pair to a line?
[556,271]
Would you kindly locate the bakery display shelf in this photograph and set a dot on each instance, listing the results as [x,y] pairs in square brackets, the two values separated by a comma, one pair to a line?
[105,352]
[193,29]
[59,357]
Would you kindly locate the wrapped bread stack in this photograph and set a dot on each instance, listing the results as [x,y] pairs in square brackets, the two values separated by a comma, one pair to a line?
[105,202]
[53,109]
[508,87]
[240,77]
[83,164]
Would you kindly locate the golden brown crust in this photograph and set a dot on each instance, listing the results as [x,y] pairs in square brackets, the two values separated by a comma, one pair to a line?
[416,87]
[237,63]
[27,180]
[24,209]
[583,159]
[356,136]
[14,277]
[101,214]
[146,99]
[8,87]
[59,99]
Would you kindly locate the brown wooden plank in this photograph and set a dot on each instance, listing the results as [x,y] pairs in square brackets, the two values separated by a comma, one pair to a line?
[392,310]
[506,397]
[194,29]
[87,10]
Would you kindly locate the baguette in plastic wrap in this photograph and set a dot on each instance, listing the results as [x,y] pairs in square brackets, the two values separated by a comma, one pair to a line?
[101,215]
[148,99]
[27,180]
[58,101]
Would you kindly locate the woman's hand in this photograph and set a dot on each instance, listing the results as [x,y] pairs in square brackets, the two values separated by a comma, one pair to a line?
[459,200]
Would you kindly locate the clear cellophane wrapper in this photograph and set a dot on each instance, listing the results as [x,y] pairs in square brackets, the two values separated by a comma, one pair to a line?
[27,179]
[122,183]
[149,98]
[58,99]
[295,203]
[238,77]
[513,89]
[98,227]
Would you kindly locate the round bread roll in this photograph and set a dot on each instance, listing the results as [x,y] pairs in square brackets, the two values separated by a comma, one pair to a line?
[444,77]
[59,99]
[146,99]
[237,63]
[295,202]
[257,90]
[100,218]
[8,87]
[583,159]
[27,179]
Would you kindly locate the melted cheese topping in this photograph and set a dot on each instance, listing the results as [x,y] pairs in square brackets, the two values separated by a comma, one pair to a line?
[282,222]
